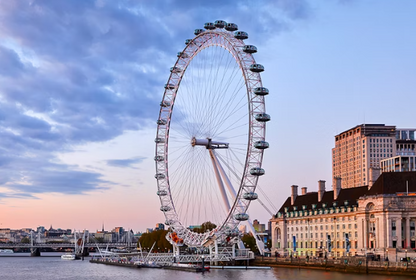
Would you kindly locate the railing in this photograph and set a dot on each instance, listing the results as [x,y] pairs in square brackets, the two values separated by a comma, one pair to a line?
[59,245]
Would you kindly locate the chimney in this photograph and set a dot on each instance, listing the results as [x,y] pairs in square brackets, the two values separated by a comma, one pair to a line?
[337,187]
[374,173]
[294,194]
[321,190]
[304,190]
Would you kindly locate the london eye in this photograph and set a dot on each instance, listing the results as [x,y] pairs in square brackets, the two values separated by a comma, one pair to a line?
[211,136]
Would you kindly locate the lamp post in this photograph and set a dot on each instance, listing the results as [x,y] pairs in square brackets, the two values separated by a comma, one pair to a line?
[406,253]
[203,263]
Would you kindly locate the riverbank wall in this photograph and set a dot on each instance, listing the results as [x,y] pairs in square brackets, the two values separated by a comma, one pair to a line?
[348,265]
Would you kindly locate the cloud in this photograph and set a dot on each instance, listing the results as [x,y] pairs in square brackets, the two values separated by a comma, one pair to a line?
[85,71]
[125,162]
[17,195]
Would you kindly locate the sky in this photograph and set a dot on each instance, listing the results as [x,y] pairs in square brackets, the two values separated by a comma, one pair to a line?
[81,82]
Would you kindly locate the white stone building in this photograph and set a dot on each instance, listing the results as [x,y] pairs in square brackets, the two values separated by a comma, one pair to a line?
[379,219]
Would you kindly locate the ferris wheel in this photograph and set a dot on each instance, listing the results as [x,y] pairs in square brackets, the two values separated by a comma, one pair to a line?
[210,136]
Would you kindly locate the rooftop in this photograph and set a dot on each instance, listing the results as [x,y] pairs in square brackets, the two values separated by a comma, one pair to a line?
[387,183]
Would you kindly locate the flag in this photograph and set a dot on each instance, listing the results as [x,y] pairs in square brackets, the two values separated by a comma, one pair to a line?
[294,243]
[347,242]
[328,243]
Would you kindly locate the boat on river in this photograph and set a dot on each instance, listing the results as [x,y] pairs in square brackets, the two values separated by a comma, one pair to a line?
[68,257]
[6,251]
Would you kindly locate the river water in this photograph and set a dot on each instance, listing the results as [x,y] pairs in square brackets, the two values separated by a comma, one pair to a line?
[17,267]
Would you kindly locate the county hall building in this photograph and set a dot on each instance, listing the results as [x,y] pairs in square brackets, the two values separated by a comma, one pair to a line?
[365,211]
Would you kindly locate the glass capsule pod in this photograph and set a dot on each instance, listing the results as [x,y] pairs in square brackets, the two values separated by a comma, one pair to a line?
[169,86]
[263,117]
[160,176]
[261,91]
[249,49]
[159,140]
[232,27]
[256,68]
[164,208]
[169,222]
[159,158]
[261,145]
[165,103]
[162,193]
[187,41]
[198,31]
[178,70]
[209,26]
[220,23]
[250,196]
[161,122]
[240,35]
[257,171]
[182,55]
[241,217]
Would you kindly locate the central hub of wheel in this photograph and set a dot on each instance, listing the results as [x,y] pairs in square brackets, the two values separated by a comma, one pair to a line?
[208,143]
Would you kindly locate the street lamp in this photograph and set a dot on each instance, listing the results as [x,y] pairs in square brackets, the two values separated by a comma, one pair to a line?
[406,253]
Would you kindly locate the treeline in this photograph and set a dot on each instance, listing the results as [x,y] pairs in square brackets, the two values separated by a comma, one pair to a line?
[159,236]
[207,226]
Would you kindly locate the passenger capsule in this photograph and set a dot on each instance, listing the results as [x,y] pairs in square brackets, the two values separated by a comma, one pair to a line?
[241,217]
[159,140]
[160,176]
[159,158]
[182,55]
[220,23]
[169,222]
[249,49]
[162,193]
[161,122]
[257,171]
[250,196]
[198,31]
[164,103]
[256,68]
[241,35]
[231,27]
[263,117]
[209,26]
[261,145]
[178,70]
[164,208]
[187,41]
[169,86]
[261,91]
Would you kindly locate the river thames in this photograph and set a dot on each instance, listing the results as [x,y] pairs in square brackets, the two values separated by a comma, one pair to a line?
[48,268]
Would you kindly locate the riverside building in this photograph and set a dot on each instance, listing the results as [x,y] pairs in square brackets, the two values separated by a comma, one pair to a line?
[345,222]
[364,212]
[359,153]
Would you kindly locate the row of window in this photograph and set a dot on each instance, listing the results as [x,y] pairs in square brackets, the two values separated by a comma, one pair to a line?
[321,245]
[384,140]
[322,220]
[311,228]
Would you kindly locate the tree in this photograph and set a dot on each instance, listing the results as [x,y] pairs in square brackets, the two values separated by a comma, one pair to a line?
[159,236]
[269,244]
[250,242]
[207,226]
[25,240]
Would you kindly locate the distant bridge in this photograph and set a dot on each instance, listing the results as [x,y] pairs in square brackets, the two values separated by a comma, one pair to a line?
[129,245]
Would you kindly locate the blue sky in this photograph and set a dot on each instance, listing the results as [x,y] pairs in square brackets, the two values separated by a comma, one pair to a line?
[81,82]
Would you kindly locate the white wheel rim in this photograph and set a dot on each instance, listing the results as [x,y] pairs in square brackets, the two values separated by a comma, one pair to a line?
[256,132]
